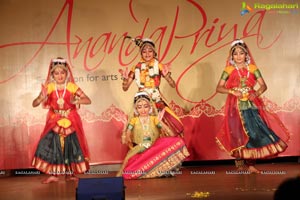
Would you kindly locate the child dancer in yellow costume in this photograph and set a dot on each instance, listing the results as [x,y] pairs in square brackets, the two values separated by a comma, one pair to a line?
[151,154]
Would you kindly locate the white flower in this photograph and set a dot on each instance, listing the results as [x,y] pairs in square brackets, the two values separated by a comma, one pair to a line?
[236,42]
[147,40]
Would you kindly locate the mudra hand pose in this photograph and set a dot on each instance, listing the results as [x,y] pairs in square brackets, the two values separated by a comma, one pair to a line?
[147,75]
[249,131]
[151,154]
[62,148]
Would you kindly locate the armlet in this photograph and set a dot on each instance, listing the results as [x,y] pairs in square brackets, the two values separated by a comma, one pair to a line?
[224,76]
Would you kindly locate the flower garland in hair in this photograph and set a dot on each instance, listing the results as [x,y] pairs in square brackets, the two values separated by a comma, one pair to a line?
[58,62]
[237,42]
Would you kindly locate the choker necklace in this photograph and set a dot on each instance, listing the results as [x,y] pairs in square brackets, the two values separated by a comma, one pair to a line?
[60,100]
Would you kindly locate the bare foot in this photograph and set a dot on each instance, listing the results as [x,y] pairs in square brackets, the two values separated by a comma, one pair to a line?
[50,179]
[71,178]
[253,170]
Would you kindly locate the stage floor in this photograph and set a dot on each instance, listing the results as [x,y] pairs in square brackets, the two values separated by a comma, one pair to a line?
[203,181]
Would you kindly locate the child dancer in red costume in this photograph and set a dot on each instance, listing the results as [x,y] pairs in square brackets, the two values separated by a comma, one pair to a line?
[62,149]
[250,131]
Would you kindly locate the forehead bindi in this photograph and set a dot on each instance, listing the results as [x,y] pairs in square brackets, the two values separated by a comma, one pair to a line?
[147,50]
[142,103]
[238,50]
[59,70]
[148,47]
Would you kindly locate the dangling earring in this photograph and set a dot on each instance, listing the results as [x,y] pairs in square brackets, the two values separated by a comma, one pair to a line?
[150,111]
[68,78]
[135,112]
[231,61]
[248,59]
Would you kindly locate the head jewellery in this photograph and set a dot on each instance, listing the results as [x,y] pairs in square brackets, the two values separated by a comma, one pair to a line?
[142,43]
[58,62]
[237,42]
[147,41]
[62,63]
[242,45]
[141,95]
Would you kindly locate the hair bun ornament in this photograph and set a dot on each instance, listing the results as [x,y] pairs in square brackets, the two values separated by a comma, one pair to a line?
[137,41]
[140,42]
[237,42]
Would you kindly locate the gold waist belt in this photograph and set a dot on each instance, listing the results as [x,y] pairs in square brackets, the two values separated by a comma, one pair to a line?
[243,90]
[63,113]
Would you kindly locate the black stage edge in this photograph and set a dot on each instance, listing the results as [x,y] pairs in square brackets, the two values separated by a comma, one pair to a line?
[292,159]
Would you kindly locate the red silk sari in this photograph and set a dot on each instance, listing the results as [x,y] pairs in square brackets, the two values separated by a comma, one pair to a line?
[246,121]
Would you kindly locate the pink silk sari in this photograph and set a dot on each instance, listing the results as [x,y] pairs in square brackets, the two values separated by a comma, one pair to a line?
[160,159]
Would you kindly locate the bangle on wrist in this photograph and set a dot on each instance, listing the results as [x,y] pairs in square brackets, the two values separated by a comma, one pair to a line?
[231,91]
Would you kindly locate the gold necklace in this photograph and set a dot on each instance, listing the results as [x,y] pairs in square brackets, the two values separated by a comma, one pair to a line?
[145,125]
[243,79]
[60,100]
